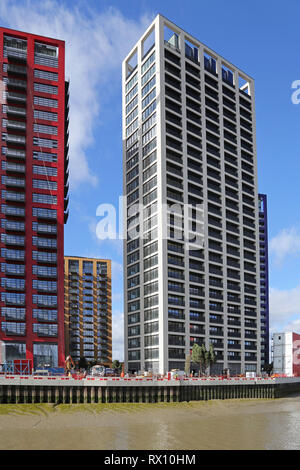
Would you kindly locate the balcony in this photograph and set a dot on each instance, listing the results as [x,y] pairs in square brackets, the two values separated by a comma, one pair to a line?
[16,69]
[16,111]
[234,357]
[12,240]
[13,210]
[10,181]
[46,316]
[15,83]
[14,329]
[11,196]
[13,269]
[15,168]
[16,97]
[14,255]
[13,153]
[15,53]
[44,330]
[45,257]
[16,125]
[15,139]
[216,332]
[13,284]
[14,313]
[250,357]
[13,299]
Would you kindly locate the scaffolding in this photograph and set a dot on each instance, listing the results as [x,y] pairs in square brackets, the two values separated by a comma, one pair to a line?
[16,367]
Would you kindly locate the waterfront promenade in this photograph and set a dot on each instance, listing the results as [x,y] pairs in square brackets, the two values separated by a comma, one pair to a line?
[50,389]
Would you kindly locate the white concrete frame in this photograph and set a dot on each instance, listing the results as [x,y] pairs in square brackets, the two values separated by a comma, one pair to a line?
[158,27]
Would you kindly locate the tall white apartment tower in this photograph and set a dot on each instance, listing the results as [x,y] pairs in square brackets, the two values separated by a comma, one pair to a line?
[189,159]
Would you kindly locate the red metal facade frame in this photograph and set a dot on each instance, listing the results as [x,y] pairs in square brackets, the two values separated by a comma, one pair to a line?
[31,337]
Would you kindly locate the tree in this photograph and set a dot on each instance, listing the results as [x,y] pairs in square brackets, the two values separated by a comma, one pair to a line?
[211,356]
[197,356]
[205,358]
[116,364]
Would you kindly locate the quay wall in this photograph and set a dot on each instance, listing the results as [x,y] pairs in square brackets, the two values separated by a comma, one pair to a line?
[28,389]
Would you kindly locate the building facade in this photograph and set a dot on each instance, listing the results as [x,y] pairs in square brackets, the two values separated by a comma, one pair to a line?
[34,196]
[88,331]
[264,279]
[286,354]
[189,160]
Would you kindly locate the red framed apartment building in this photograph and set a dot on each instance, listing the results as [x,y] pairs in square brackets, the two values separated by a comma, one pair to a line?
[34,197]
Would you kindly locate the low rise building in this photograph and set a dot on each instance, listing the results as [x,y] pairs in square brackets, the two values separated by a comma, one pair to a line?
[286,354]
[88,309]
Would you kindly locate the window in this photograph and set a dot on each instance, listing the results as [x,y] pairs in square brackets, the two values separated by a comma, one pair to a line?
[131,94]
[45,157]
[148,98]
[44,170]
[52,90]
[131,128]
[45,142]
[46,75]
[14,328]
[131,82]
[44,198]
[50,103]
[131,116]
[149,110]
[148,75]
[151,327]
[44,213]
[45,184]
[132,104]
[45,129]
[148,62]
[46,116]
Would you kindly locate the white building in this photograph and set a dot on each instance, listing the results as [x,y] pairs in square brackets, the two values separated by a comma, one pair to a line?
[286,354]
[189,140]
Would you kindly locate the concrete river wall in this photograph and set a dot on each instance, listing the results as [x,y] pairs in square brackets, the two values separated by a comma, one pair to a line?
[29,389]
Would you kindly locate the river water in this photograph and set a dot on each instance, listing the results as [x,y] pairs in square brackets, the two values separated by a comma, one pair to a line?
[216,424]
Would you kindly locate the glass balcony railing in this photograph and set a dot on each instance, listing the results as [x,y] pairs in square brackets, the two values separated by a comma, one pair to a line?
[15,111]
[13,269]
[16,69]
[16,83]
[15,53]
[15,139]
[13,210]
[10,181]
[18,125]
[11,96]
[13,153]
[11,196]
[13,167]
[12,239]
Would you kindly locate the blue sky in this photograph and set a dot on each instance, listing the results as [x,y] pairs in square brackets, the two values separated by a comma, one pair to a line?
[261,38]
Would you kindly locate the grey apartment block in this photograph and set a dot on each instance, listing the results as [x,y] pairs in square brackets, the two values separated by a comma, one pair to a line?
[189,160]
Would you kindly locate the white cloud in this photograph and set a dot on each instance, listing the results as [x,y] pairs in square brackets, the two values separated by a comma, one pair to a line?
[96,44]
[285,310]
[286,243]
